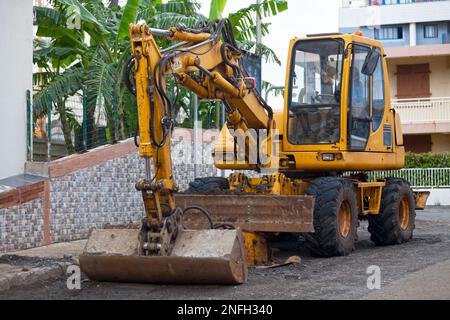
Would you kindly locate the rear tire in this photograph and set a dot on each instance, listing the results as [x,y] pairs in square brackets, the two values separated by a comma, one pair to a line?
[208,185]
[335,217]
[396,221]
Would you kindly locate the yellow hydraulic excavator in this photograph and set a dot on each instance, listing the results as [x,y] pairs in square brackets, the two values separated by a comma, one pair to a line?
[336,125]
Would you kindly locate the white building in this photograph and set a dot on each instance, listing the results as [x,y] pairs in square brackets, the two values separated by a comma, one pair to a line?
[16,65]
[416,37]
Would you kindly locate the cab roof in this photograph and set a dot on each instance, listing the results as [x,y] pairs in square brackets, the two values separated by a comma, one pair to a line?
[348,38]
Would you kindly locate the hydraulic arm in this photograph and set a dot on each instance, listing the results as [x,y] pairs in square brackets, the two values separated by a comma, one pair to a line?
[207,62]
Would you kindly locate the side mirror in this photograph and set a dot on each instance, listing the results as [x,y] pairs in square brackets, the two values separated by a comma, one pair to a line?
[371,62]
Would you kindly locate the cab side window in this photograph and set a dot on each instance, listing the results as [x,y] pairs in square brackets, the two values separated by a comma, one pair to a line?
[378,96]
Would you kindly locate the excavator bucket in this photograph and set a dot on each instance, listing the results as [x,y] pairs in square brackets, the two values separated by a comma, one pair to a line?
[198,257]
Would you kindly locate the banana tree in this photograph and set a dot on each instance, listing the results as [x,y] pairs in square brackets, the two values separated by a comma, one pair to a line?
[93,54]
[244,29]
[58,53]
[100,54]
[108,57]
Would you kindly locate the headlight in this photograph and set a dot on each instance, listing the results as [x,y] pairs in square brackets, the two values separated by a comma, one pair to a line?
[328,156]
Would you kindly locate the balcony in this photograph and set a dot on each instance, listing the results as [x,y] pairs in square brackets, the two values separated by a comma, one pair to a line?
[426,115]
[365,3]
[357,13]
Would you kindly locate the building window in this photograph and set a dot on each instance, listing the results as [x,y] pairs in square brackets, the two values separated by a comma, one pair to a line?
[430,31]
[389,33]
[387,2]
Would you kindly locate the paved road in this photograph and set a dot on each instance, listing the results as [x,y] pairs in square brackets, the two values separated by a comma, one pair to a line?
[418,269]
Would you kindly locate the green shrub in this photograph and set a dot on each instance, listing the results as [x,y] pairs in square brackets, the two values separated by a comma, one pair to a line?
[427,160]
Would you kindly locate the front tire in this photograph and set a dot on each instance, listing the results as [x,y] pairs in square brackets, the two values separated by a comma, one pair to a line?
[396,221]
[208,185]
[335,217]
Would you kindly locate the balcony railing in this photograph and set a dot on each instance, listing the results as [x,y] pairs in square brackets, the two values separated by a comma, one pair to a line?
[445,38]
[365,3]
[425,110]
[354,3]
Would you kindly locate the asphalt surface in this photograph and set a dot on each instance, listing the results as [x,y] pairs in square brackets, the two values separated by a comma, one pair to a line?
[419,269]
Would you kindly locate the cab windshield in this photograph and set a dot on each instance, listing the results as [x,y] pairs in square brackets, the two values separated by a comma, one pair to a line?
[315,92]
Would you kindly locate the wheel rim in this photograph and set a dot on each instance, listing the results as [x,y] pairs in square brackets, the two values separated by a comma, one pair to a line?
[403,211]
[344,219]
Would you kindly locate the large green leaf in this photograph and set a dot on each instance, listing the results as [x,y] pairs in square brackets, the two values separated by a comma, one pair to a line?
[216,9]
[43,14]
[244,20]
[128,16]
[55,52]
[64,36]
[85,15]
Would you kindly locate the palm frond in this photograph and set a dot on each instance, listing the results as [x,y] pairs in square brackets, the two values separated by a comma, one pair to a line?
[261,50]
[266,85]
[101,81]
[169,19]
[187,8]
[61,87]
[41,79]
[245,19]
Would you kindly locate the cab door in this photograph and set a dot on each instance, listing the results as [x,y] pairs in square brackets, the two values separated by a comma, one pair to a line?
[359,117]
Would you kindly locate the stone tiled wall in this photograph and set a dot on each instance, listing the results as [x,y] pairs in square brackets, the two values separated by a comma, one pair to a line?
[100,191]
[105,193]
[94,196]
[21,226]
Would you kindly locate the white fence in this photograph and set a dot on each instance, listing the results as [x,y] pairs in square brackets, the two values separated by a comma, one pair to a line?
[424,110]
[418,178]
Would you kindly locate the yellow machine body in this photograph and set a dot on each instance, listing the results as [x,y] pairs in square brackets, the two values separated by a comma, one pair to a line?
[319,132]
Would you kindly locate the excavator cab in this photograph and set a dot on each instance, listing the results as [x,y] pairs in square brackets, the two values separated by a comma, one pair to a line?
[337,115]
[337,107]
[315,92]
